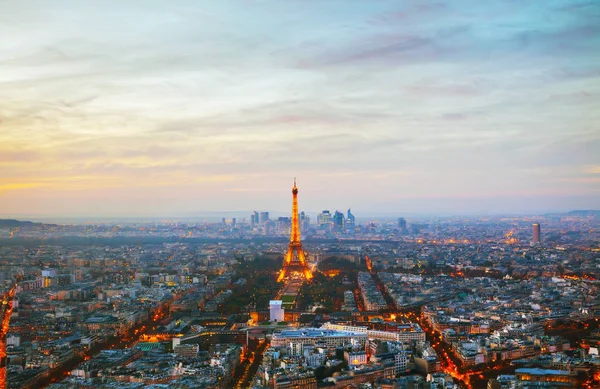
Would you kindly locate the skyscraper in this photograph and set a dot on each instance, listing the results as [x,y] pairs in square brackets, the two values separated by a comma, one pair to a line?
[264,217]
[537,233]
[402,225]
[304,222]
[350,222]
[324,217]
[339,221]
[254,218]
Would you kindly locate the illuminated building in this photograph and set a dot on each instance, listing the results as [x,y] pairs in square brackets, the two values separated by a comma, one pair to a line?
[47,282]
[48,275]
[330,338]
[5,311]
[537,233]
[536,377]
[355,358]
[403,333]
[294,263]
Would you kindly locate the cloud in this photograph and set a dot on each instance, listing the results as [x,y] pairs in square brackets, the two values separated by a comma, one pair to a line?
[12,156]
[593,170]
[218,98]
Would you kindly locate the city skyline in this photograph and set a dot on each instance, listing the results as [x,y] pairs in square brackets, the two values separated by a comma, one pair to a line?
[119,110]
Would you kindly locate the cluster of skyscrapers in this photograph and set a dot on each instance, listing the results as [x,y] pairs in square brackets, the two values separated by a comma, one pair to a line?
[338,221]
[259,217]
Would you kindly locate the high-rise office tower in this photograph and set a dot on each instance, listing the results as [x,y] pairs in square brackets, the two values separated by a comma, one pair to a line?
[264,217]
[402,225]
[350,222]
[339,221]
[324,217]
[304,222]
[254,218]
[537,233]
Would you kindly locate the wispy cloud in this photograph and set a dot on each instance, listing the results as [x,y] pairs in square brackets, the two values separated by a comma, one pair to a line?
[593,170]
[226,101]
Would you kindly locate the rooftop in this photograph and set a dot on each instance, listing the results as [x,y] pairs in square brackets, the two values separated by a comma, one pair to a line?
[538,371]
[315,333]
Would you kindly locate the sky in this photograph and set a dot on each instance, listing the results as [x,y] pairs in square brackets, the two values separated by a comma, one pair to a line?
[174,108]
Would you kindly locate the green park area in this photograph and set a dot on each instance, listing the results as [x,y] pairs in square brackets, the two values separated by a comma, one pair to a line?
[334,276]
[288,301]
[260,287]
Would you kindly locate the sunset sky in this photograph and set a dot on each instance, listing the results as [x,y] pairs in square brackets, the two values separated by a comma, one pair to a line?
[172,108]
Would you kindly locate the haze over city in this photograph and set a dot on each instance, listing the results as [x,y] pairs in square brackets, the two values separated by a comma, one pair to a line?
[315,194]
[162,108]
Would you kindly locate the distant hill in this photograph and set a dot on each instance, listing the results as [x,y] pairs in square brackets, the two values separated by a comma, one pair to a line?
[15,223]
[585,213]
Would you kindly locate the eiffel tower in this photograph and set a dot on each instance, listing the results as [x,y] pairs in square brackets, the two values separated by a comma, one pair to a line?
[294,263]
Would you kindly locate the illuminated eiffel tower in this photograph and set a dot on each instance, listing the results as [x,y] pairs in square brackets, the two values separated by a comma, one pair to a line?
[294,263]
